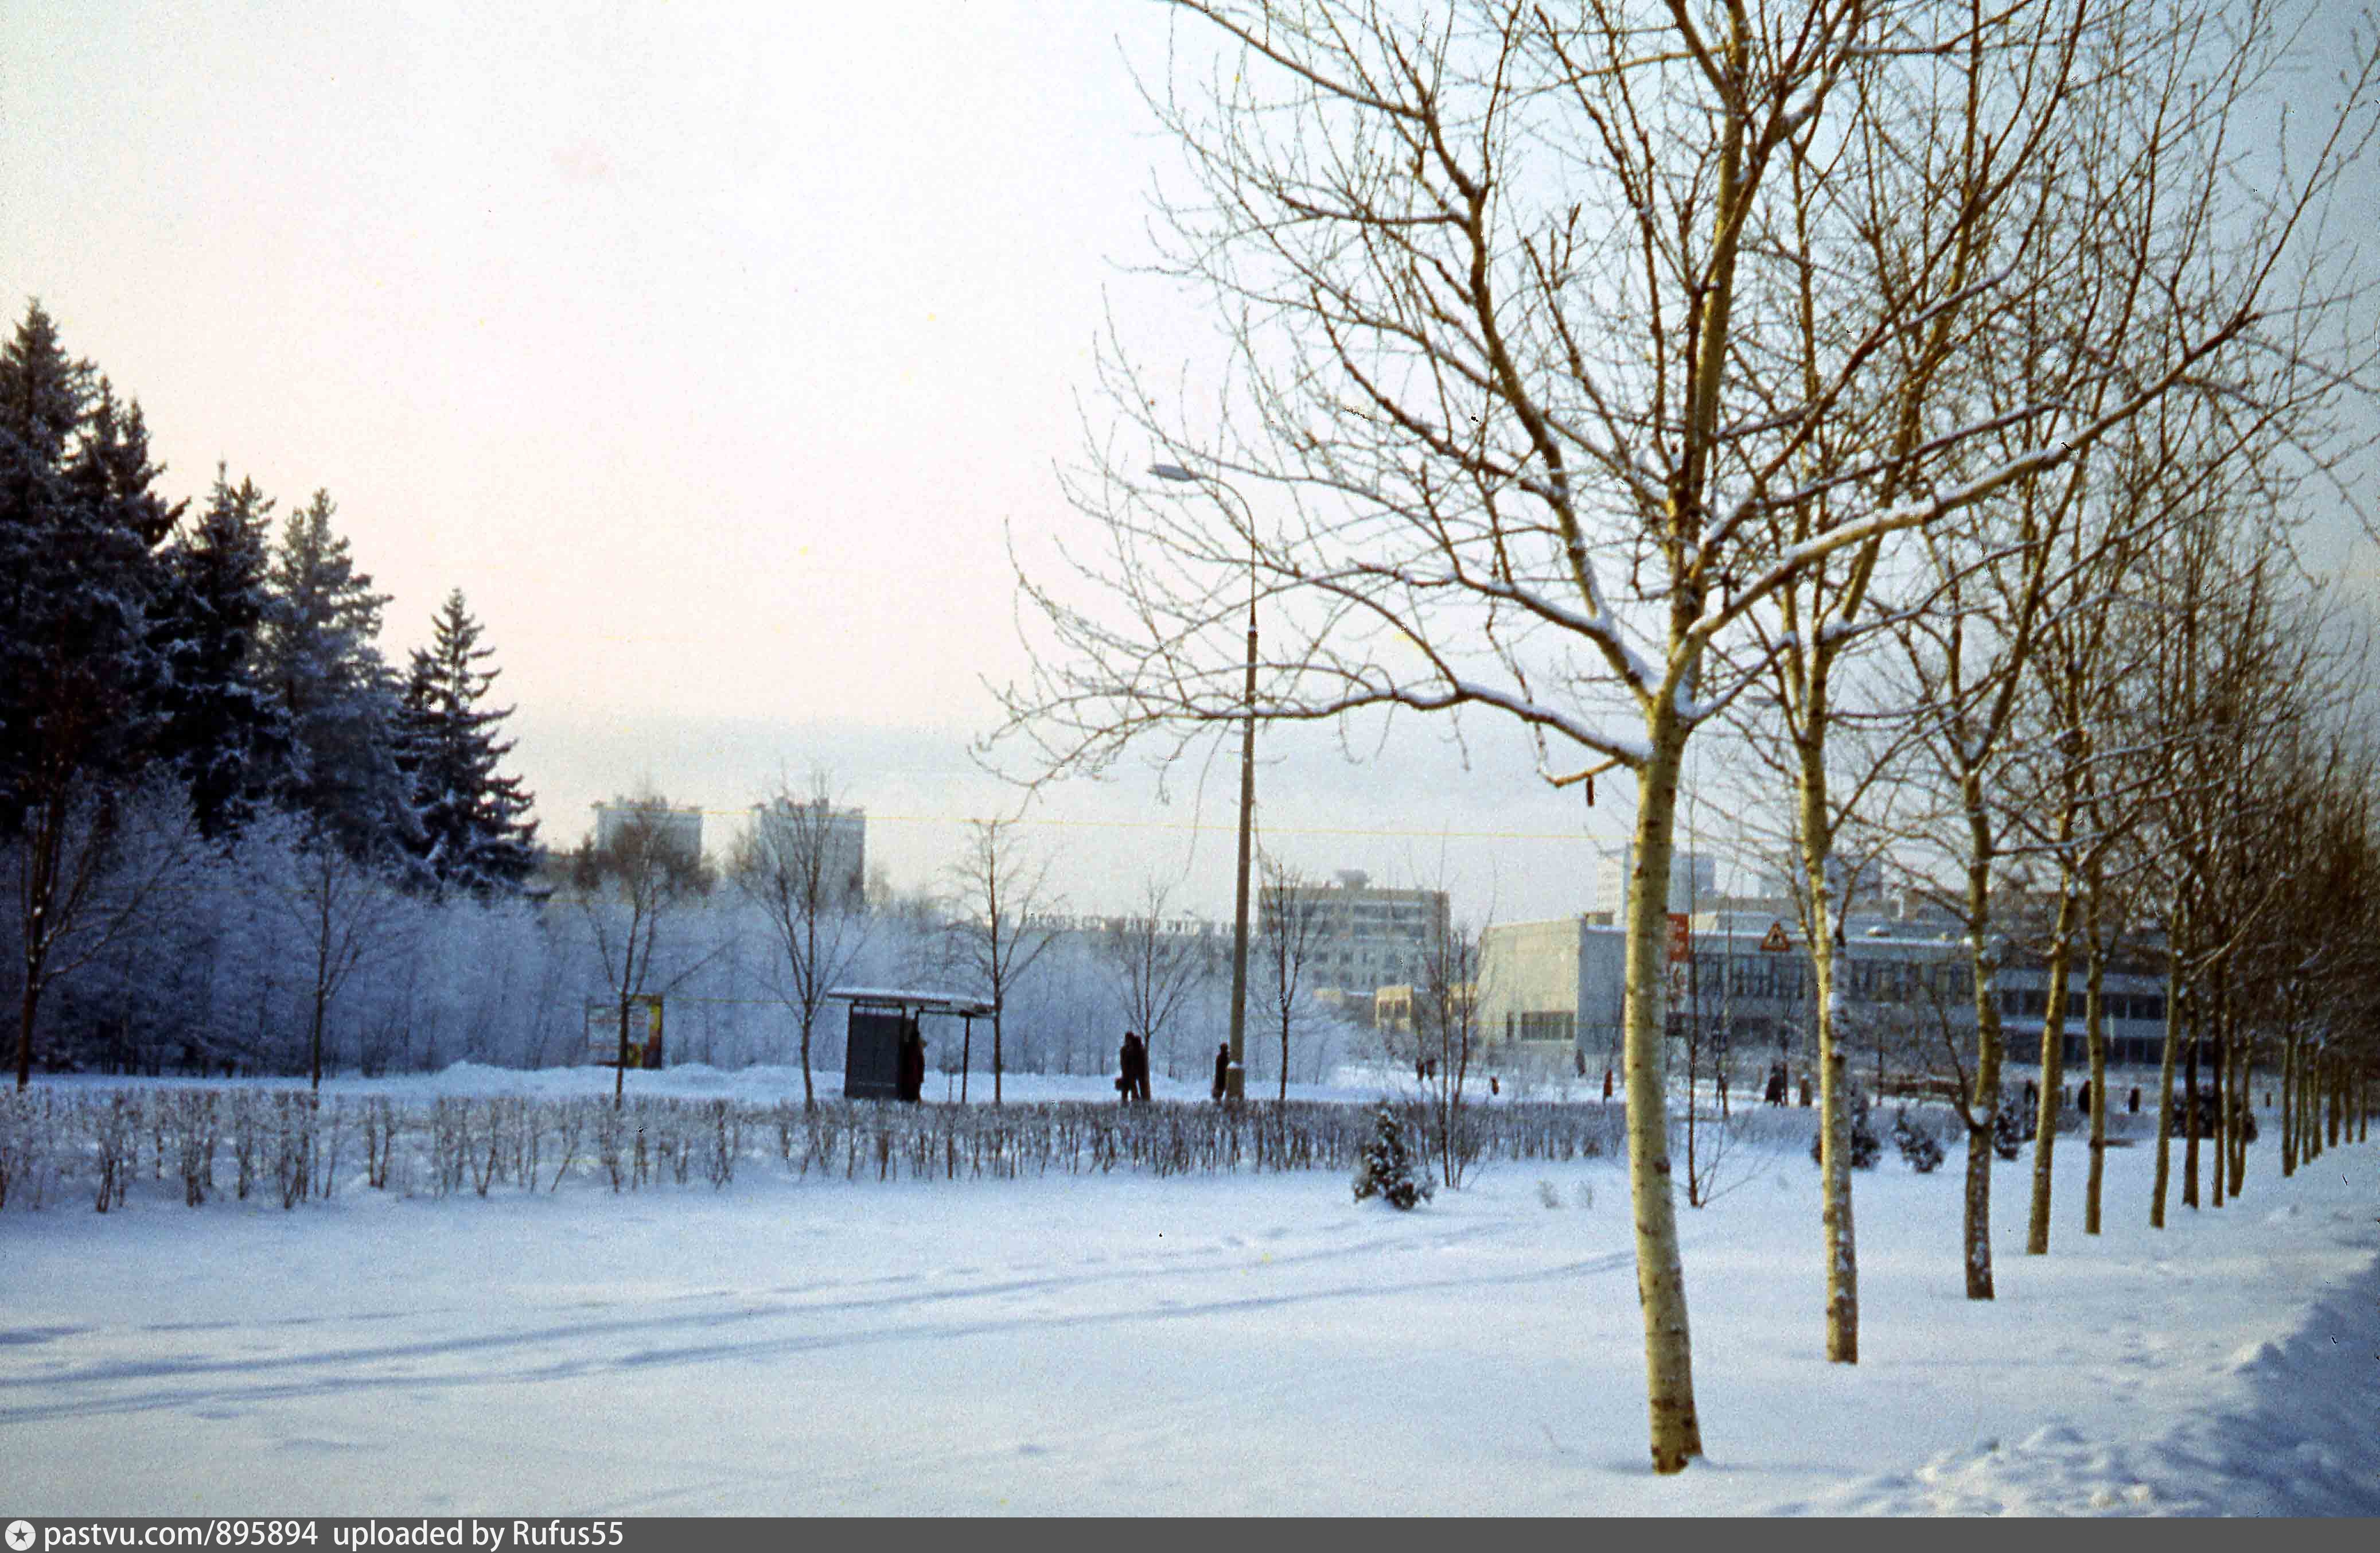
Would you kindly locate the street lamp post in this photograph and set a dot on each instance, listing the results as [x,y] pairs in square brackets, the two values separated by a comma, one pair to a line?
[1235,1077]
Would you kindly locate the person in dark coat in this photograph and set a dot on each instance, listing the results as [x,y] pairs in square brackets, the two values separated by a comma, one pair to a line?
[2083,1097]
[913,1066]
[1132,1069]
[1222,1069]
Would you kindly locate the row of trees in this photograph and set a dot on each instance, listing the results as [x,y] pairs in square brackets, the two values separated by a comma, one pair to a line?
[248,960]
[1635,370]
[174,679]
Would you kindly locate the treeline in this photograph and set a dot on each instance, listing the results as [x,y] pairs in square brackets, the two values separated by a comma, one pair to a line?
[188,699]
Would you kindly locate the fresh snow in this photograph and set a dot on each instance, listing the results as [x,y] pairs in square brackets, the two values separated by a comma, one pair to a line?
[1188,1345]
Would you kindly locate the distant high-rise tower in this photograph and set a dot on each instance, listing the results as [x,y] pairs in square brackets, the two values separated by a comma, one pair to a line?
[793,835]
[678,827]
[1692,875]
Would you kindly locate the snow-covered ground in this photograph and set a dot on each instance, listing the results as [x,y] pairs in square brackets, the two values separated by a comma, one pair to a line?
[1248,1343]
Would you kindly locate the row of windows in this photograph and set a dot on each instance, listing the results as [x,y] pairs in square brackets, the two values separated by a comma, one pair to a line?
[1554,1027]
[1787,978]
[2033,1003]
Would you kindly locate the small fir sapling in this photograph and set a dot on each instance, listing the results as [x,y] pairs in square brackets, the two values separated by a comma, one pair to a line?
[1385,1170]
[1867,1148]
[2008,1130]
[1919,1147]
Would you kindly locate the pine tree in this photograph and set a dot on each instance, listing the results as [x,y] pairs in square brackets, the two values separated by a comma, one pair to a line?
[473,834]
[79,521]
[224,728]
[337,693]
[1385,1169]
[79,682]
[1867,1148]
[2009,1129]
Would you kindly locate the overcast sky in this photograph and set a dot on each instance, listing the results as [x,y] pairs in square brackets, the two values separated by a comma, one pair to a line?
[711,351]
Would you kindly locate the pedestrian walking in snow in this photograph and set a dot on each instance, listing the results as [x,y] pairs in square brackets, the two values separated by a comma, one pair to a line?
[1222,1070]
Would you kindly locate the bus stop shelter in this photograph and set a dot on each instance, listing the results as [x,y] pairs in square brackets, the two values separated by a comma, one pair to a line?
[881,1018]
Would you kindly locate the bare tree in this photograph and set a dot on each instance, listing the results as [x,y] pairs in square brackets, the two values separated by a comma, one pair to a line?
[1289,936]
[1154,966]
[1001,903]
[343,909]
[800,866]
[627,888]
[1447,1036]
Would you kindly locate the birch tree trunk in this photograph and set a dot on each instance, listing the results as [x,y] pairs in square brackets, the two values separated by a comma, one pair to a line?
[1834,1124]
[1661,1275]
[2289,1037]
[1985,1108]
[2053,1074]
[2174,941]
[2094,1016]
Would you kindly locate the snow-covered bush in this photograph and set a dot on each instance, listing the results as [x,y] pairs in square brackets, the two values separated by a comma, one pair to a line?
[1919,1147]
[1385,1169]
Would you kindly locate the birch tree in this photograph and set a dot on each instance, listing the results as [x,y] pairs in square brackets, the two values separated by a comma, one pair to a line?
[1289,937]
[1514,380]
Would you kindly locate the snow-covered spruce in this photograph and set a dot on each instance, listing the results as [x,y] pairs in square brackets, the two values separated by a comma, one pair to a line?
[2008,1129]
[1867,1148]
[1385,1170]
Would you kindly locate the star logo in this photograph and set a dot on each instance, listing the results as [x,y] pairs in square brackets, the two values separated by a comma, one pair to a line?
[21,1536]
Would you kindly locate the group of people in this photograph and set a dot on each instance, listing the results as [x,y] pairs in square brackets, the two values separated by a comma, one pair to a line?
[1132,1070]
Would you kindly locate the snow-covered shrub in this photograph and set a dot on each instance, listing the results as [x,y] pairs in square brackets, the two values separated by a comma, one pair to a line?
[1546,1195]
[1385,1169]
[113,1126]
[1919,1147]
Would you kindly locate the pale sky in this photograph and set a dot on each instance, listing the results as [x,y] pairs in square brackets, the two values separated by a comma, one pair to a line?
[711,351]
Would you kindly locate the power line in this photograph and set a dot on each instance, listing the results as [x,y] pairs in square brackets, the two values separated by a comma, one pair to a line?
[874,818]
